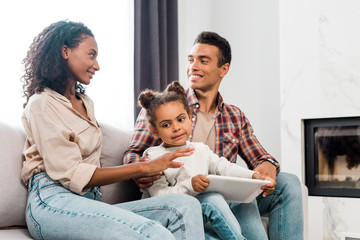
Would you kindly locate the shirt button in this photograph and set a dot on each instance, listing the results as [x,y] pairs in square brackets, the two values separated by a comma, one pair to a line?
[234,140]
[193,118]
[197,105]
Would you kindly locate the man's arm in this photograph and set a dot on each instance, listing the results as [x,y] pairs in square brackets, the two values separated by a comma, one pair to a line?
[253,152]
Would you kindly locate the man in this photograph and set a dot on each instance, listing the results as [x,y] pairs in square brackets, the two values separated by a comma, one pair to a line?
[226,130]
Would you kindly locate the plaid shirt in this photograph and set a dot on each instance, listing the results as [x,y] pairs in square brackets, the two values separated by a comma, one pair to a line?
[234,135]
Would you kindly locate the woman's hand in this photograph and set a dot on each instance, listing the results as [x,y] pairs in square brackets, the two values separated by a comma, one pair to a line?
[200,183]
[155,167]
[143,172]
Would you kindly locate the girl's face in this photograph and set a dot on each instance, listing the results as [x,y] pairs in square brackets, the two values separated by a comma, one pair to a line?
[172,124]
[82,60]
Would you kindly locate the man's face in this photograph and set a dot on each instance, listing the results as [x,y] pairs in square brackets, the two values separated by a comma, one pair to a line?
[202,68]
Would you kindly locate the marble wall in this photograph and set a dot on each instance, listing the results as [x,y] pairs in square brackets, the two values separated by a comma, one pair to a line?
[320,77]
[292,59]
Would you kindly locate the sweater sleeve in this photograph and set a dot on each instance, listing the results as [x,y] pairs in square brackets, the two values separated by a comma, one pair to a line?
[221,166]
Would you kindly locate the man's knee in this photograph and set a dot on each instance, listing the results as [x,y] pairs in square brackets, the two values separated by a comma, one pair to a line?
[288,183]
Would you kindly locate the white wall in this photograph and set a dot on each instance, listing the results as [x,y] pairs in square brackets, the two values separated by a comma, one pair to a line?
[22,20]
[292,59]
[320,77]
[252,84]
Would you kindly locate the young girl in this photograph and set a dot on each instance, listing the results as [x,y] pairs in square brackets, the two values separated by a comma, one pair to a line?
[168,115]
[62,153]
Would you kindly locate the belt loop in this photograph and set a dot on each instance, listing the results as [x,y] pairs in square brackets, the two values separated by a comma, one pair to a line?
[35,179]
[30,184]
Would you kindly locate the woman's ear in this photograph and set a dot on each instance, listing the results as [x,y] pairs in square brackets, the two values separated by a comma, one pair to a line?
[65,52]
[154,131]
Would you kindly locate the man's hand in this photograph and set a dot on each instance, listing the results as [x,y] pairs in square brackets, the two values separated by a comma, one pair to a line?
[200,183]
[268,172]
[268,188]
[267,169]
[145,182]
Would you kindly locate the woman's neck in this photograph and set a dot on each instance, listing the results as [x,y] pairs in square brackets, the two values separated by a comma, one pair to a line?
[71,93]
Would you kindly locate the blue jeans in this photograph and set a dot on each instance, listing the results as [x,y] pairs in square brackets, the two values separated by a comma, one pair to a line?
[54,212]
[283,206]
[217,213]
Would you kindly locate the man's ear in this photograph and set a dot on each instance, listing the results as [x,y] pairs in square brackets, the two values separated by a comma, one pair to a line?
[224,69]
[65,52]
[153,131]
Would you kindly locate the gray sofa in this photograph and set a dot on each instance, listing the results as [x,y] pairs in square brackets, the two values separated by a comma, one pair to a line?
[14,193]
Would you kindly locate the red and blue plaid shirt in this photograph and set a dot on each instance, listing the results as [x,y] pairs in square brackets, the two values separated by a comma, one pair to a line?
[234,135]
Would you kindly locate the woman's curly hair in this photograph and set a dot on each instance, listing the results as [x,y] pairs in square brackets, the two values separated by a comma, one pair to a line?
[44,63]
[150,100]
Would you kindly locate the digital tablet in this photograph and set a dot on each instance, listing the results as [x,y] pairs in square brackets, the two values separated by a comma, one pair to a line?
[236,189]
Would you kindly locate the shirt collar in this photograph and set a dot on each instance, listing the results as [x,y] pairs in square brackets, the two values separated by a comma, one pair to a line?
[61,98]
[193,101]
[56,95]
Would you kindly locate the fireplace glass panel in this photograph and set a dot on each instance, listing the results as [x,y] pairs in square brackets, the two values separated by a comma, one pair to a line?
[332,156]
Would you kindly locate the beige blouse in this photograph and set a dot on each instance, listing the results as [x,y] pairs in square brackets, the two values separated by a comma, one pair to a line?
[60,140]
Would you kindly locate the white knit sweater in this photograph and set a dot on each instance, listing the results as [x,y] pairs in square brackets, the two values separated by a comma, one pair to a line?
[202,161]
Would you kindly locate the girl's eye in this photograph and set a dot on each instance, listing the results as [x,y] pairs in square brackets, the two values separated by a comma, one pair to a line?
[92,55]
[165,125]
[181,119]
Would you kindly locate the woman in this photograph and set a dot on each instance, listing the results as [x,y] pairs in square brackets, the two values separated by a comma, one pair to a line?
[62,153]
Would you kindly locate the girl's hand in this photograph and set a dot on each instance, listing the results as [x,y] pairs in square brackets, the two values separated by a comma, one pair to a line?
[166,161]
[200,183]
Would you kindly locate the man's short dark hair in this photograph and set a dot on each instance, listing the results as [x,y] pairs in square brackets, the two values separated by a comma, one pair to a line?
[216,40]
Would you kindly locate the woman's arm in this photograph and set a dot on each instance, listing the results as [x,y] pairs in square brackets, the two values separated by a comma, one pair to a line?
[104,176]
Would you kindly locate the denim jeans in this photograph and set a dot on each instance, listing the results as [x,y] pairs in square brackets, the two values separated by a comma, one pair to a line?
[283,206]
[54,212]
[217,213]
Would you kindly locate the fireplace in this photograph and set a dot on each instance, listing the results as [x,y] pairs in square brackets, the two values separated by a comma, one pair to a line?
[332,156]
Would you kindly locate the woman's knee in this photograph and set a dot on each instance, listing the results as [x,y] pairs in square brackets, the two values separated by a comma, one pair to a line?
[183,200]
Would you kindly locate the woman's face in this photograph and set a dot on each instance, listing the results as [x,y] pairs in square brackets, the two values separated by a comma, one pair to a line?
[82,60]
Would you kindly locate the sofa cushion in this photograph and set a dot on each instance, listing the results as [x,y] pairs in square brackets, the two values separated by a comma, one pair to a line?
[13,191]
[115,142]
